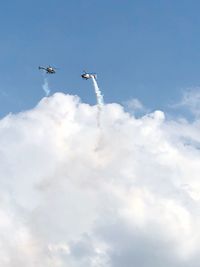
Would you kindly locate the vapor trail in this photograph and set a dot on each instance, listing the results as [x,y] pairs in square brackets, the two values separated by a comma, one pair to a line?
[45,86]
[99,97]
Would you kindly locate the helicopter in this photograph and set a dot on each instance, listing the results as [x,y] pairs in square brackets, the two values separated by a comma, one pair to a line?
[87,75]
[49,69]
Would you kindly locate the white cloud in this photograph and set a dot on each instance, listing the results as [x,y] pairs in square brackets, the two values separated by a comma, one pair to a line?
[72,194]
[191,101]
[134,105]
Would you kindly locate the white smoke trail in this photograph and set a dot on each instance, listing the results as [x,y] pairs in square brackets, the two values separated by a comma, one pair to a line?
[99,96]
[100,101]
[45,86]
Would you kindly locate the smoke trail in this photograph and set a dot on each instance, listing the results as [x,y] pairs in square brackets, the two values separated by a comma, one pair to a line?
[99,97]
[45,86]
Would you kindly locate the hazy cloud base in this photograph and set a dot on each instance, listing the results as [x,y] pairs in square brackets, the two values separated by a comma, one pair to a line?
[73,194]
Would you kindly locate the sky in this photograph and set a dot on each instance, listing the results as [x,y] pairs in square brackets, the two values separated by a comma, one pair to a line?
[100,173]
[147,50]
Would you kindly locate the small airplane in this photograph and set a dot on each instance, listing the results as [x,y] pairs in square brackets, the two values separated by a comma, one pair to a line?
[87,75]
[49,69]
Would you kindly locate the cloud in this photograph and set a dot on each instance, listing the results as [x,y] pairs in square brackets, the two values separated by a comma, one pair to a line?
[134,106]
[191,101]
[72,194]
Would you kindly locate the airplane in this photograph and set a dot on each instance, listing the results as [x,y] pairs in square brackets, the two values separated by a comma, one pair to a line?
[49,69]
[87,75]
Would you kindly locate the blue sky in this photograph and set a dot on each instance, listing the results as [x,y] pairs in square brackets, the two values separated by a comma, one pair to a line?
[73,187]
[148,50]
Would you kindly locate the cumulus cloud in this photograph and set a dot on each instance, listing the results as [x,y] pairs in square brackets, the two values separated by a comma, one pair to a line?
[73,194]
